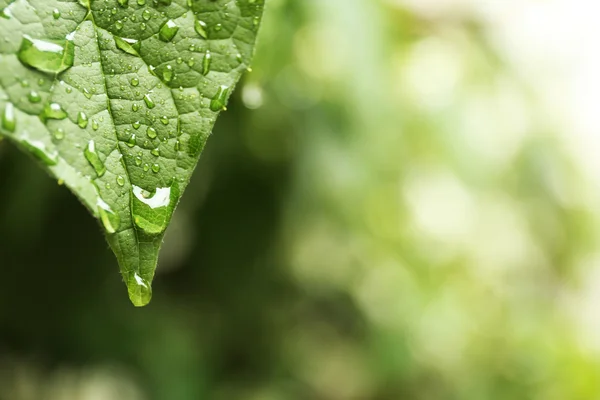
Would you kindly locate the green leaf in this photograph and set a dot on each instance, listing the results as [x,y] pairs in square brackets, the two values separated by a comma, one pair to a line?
[116,98]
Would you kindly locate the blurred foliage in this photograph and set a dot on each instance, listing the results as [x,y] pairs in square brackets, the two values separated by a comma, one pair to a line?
[383,214]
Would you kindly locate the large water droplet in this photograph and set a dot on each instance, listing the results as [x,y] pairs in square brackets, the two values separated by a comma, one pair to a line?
[39,150]
[109,218]
[151,212]
[139,289]
[82,120]
[129,46]
[168,31]
[206,61]
[54,111]
[34,97]
[91,154]
[9,119]
[168,74]
[46,56]
[218,102]
[149,102]
[151,132]
[200,27]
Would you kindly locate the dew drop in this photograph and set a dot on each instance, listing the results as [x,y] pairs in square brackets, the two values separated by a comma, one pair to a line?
[149,102]
[168,73]
[59,134]
[200,28]
[9,119]
[54,111]
[151,132]
[39,150]
[82,120]
[151,211]
[46,56]
[218,102]
[139,290]
[131,141]
[109,218]
[34,97]
[129,46]
[91,154]
[206,61]
[168,31]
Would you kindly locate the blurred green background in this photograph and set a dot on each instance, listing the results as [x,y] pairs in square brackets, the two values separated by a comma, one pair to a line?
[397,205]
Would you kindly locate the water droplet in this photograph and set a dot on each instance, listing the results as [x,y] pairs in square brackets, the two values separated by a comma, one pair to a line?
[59,134]
[139,290]
[129,46]
[46,56]
[95,125]
[151,212]
[120,180]
[56,13]
[206,61]
[168,73]
[146,15]
[135,81]
[131,141]
[168,31]
[109,218]
[9,119]
[155,152]
[218,102]
[39,150]
[151,132]
[148,101]
[200,27]
[54,111]
[136,125]
[155,168]
[91,154]
[82,120]
[123,3]
[165,120]
[34,97]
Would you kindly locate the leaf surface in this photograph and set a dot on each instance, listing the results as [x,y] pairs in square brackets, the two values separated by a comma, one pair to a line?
[116,98]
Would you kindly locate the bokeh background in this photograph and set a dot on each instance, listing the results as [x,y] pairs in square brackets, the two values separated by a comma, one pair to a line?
[402,202]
